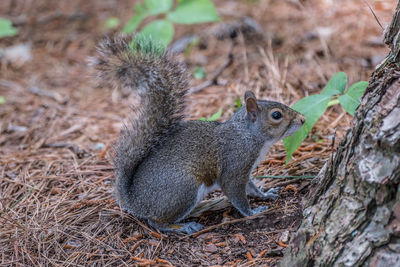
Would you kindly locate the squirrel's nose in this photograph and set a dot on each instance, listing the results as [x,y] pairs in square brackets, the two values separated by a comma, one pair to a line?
[303,120]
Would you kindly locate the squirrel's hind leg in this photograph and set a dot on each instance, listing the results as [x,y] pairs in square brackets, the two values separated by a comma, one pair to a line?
[254,191]
[188,227]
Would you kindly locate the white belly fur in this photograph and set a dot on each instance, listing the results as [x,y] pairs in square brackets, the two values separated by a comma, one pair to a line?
[264,150]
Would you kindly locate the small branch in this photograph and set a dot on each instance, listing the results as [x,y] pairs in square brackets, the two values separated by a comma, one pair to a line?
[221,203]
[337,120]
[285,177]
[47,93]
[373,13]
[214,78]
[274,183]
[139,223]
[74,148]
[230,222]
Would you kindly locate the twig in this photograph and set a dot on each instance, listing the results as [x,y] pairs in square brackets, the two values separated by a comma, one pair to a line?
[140,223]
[214,78]
[47,93]
[281,184]
[300,159]
[74,148]
[373,13]
[23,196]
[21,20]
[246,65]
[183,43]
[229,222]
[336,122]
[285,177]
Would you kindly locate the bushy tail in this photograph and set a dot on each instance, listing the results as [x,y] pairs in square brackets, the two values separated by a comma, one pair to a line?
[160,81]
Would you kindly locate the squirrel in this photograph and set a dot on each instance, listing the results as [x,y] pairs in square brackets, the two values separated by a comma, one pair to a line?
[164,164]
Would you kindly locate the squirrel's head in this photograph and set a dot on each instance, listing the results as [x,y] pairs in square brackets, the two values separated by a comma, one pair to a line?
[275,119]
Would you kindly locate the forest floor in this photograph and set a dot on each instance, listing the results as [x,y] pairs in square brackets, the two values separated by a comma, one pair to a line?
[58,126]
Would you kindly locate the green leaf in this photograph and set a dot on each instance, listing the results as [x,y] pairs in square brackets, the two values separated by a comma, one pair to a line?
[112,23]
[357,89]
[349,104]
[350,100]
[199,73]
[336,84]
[2,100]
[161,31]
[292,142]
[312,107]
[214,116]
[6,28]
[155,7]
[238,102]
[194,11]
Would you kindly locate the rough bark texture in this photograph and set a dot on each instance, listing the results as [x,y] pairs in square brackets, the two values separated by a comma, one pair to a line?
[353,216]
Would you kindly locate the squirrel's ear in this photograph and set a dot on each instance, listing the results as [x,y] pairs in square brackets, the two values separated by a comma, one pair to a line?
[251,105]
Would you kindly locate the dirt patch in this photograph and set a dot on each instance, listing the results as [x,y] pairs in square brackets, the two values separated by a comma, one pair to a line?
[57,127]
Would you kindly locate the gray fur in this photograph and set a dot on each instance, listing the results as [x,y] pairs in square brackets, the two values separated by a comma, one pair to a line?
[163,161]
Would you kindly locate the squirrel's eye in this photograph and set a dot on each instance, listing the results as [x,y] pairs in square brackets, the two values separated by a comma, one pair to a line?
[276,115]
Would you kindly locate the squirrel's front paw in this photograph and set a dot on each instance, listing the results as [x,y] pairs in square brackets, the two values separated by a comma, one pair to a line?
[259,209]
[272,194]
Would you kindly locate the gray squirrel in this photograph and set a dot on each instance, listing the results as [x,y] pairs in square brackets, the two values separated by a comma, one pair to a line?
[164,164]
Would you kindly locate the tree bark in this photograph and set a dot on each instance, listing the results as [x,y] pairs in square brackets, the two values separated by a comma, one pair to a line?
[353,216]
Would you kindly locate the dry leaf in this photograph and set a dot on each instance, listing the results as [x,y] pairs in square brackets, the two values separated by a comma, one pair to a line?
[291,187]
[221,244]
[249,256]
[211,248]
[240,237]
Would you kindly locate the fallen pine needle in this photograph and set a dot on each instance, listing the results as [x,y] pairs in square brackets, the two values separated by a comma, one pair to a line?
[137,244]
[91,255]
[143,262]
[157,235]
[162,261]
[132,238]
[69,247]
[249,256]
[104,151]
[262,253]
[280,243]
[139,223]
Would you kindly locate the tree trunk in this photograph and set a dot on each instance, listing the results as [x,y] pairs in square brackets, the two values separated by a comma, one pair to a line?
[353,216]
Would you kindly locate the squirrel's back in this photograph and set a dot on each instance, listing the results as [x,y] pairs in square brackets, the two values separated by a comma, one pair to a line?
[160,81]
